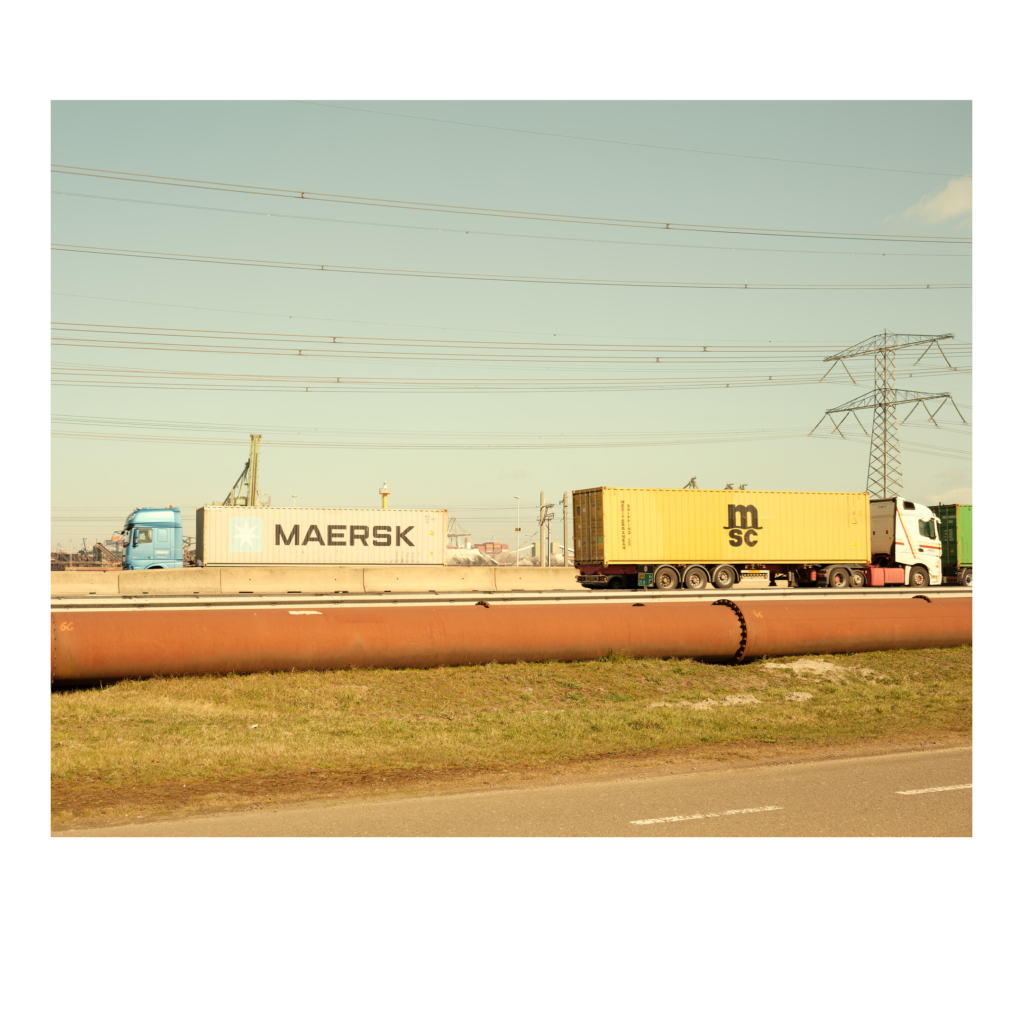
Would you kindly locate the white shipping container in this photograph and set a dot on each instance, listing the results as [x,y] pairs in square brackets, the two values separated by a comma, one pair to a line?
[240,535]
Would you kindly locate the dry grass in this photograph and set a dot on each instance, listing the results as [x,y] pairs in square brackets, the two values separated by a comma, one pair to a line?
[161,746]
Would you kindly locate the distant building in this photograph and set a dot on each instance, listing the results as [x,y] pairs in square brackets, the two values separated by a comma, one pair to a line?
[491,547]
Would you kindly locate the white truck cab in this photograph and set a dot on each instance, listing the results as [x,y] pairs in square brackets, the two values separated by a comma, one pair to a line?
[905,533]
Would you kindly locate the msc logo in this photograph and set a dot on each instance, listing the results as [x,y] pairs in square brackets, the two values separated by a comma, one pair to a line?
[742,526]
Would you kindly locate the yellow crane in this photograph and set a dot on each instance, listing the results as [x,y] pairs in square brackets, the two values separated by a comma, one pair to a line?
[247,481]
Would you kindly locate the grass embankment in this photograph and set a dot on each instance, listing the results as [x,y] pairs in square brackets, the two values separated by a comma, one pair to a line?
[154,747]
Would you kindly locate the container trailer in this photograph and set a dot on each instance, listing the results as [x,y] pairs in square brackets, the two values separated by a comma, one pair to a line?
[259,535]
[955,529]
[669,538]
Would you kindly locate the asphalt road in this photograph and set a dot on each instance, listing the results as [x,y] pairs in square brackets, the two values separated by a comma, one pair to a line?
[916,794]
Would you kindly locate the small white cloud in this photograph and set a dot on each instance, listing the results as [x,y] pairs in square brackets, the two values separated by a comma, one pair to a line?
[958,496]
[948,203]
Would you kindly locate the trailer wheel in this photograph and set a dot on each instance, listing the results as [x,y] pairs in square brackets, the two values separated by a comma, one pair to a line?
[919,576]
[838,577]
[967,577]
[695,578]
[858,578]
[614,582]
[723,576]
[665,578]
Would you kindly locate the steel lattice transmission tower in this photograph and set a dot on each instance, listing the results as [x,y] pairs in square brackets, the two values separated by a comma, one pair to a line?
[885,470]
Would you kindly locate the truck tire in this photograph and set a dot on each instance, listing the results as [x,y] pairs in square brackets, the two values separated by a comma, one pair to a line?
[665,578]
[723,577]
[695,578]
[918,576]
[858,577]
[967,577]
[614,583]
[837,577]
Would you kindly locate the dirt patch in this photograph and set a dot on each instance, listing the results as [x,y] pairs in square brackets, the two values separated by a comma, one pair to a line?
[808,666]
[820,668]
[733,700]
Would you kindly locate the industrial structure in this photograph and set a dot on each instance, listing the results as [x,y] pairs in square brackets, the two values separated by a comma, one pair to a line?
[246,490]
[885,469]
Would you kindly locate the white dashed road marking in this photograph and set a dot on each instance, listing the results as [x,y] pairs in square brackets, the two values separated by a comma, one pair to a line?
[934,789]
[694,817]
[305,613]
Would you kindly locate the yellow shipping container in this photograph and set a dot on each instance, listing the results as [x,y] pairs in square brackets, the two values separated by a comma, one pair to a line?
[650,526]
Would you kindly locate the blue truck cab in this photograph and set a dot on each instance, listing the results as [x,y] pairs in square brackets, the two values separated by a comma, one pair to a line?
[152,539]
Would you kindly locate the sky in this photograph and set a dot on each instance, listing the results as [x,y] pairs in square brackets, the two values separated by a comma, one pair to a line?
[529,344]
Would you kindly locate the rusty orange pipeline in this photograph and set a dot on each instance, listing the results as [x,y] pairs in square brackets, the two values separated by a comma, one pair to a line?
[844,626]
[117,645]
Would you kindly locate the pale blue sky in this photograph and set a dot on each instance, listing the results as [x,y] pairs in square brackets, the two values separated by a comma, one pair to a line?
[341,151]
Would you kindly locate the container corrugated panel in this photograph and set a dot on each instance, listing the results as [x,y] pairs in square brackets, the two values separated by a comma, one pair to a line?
[632,526]
[955,532]
[238,535]
[965,531]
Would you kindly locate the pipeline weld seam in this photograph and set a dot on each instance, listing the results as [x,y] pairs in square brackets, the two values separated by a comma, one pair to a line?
[738,656]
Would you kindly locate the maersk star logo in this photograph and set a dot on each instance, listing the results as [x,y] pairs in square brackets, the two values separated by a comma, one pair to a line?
[246,533]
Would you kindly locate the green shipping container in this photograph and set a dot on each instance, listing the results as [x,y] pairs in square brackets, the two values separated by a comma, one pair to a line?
[955,532]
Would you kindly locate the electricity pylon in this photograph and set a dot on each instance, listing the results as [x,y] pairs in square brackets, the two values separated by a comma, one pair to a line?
[885,470]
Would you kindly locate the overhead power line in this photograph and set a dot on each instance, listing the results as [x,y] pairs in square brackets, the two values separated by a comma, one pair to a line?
[376,433]
[481,445]
[501,278]
[504,234]
[82,375]
[466,445]
[447,327]
[547,353]
[483,211]
[634,145]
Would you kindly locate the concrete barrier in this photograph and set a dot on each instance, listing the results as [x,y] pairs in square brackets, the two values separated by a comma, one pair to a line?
[168,581]
[83,584]
[422,579]
[315,579]
[532,577]
[292,579]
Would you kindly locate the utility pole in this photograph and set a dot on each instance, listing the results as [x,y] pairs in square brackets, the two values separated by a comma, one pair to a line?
[565,528]
[542,547]
[885,469]
[544,518]
[518,531]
